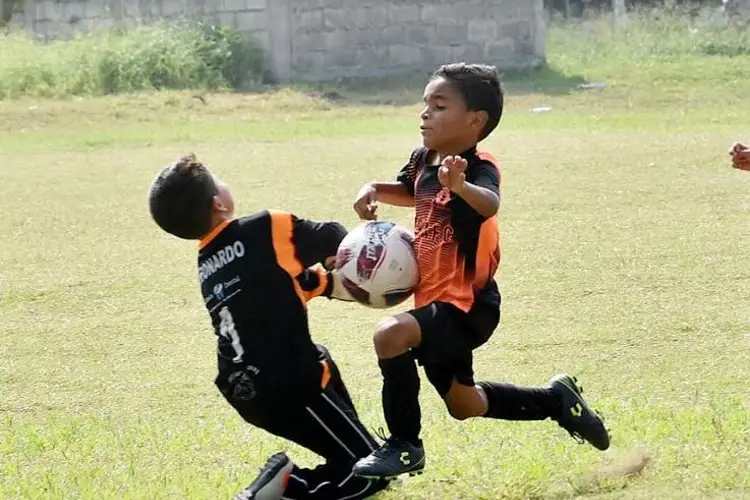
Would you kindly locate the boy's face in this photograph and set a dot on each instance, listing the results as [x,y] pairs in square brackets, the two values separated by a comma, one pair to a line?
[445,123]
[223,201]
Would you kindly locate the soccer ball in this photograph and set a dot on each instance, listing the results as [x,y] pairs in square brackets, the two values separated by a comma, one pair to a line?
[377,264]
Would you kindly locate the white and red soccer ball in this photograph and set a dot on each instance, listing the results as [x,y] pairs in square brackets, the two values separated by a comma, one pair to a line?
[377,264]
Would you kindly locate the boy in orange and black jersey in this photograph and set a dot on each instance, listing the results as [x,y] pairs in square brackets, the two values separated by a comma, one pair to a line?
[455,190]
[256,279]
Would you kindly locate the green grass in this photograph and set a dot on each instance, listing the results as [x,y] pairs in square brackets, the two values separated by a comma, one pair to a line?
[625,240]
[159,56]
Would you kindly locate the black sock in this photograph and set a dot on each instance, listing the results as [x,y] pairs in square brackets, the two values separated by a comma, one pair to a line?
[510,402]
[401,397]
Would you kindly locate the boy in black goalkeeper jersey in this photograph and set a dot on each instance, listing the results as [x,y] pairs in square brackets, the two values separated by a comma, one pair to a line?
[256,279]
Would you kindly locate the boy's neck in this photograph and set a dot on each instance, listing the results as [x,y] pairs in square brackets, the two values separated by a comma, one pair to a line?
[218,222]
[220,219]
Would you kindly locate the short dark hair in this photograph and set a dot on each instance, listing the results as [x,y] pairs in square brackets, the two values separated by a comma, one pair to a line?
[480,88]
[180,198]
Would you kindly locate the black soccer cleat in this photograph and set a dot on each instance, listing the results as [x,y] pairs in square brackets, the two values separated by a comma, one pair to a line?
[583,423]
[271,482]
[394,458]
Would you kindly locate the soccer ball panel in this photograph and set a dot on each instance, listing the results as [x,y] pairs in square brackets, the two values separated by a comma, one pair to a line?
[378,264]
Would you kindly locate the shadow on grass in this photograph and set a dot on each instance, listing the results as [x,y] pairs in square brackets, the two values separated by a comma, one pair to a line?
[406,90]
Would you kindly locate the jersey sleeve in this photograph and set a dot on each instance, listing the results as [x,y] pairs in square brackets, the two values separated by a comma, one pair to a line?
[301,243]
[408,173]
[486,175]
[316,241]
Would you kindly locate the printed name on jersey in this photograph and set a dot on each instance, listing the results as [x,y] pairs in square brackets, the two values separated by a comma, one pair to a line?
[220,258]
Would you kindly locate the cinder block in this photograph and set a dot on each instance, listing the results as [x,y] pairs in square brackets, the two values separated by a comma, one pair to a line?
[254,4]
[253,20]
[310,41]
[452,34]
[421,34]
[482,30]
[393,35]
[402,13]
[404,55]
[339,18]
[437,13]
[234,5]
[469,53]
[501,50]
[309,20]
[436,55]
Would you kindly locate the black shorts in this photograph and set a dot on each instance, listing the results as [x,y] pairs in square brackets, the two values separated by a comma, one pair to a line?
[449,335]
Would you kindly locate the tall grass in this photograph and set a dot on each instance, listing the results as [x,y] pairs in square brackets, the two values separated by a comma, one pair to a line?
[653,35]
[174,56]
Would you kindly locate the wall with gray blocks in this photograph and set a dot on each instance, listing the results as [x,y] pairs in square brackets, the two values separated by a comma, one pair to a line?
[316,40]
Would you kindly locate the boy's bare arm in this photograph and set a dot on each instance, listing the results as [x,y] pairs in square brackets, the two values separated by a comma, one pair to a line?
[452,175]
[484,201]
[390,193]
[394,193]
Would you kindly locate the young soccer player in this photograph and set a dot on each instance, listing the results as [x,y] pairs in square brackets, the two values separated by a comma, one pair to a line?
[256,279]
[740,156]
[455,190]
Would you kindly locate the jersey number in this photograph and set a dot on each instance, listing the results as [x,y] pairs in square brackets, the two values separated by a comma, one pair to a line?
[229,332]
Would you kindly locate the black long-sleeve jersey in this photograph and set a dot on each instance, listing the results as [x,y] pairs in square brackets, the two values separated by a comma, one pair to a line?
[256,279]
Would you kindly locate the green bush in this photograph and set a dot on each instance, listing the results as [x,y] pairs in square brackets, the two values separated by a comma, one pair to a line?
[160,56]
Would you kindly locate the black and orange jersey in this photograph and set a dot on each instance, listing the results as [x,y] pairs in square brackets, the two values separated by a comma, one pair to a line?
[256,279]
[458,250]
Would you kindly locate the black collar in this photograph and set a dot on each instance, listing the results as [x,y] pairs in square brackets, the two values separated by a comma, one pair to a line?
[466,155]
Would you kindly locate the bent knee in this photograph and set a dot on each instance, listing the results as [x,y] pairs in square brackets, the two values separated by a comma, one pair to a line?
[396,334]
[386,332]
[461,412]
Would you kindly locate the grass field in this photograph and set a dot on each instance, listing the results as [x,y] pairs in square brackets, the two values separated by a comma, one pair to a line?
[625,262]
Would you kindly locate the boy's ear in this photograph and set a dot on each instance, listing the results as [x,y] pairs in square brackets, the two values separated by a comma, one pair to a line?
[479,119]
[217,205]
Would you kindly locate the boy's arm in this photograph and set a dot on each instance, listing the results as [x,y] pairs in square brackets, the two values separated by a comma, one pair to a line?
[482,193]
[303,247]
[315,241]
[399,193]
[483,200]
[316,282]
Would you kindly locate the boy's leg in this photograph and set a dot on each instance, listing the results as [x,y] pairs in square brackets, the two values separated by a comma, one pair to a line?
[402,453]
[448,364]
[337,382]
[561,400]
[328,426]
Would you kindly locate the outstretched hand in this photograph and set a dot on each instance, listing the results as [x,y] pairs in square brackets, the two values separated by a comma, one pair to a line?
[451,173]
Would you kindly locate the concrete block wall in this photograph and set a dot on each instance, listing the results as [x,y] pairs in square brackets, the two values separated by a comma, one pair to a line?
[315,40]
[56,19]
[338,38]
